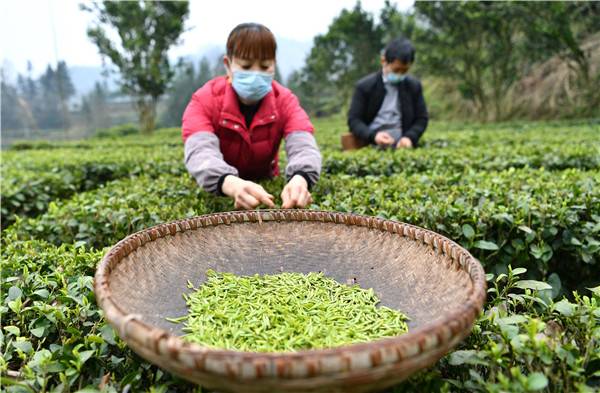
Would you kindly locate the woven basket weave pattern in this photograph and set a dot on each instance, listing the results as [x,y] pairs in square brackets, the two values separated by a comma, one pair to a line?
[437,283]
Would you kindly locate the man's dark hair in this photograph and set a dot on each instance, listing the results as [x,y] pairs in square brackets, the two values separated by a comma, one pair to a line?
[399,49]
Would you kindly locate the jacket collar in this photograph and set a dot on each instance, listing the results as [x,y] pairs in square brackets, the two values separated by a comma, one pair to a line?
[267,111]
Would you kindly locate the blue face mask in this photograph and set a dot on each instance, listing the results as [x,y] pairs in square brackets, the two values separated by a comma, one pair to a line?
[395,78]
[252,85]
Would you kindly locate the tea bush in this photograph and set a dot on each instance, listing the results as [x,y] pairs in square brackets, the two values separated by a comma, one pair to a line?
[54,337]
[491,158]
[29,185]
[101,217]
[505,217]
[523,197]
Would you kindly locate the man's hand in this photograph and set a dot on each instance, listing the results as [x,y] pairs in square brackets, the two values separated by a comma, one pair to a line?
[295,193]
[246,194]
[404,142]
[383,138]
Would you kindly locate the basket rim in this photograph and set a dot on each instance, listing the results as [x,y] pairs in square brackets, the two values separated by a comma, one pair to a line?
[447,330]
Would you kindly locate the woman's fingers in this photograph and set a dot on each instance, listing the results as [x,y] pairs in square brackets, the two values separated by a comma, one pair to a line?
[289,196]
[285,197]
[295,196]
[304,198]
[262,196]
[247,201]
[307,199]
[251,195]
[267,200]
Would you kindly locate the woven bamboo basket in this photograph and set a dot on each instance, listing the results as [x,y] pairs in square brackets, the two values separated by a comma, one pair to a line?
[437,283]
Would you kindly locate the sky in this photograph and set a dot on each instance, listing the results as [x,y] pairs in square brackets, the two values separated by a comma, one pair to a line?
[43,30]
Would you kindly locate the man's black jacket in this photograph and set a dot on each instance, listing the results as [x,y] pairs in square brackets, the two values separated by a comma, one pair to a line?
[368,97]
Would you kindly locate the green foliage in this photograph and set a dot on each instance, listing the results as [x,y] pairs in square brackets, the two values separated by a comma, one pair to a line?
[497,157]
[561,28]
[186,81]
[284,312]
[147,29]
[514,220]
[118,131]
[474,43]
[31,145]
[526,341]
[53,332]
[396,24]
[94,107]
[121,136]
[104,216]
[28,187]
[40,103]
[348,51]
[524,198]
[486,60]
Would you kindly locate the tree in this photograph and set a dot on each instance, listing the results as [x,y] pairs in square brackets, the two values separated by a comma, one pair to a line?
[50,114]
[294,83]
[29,99]
[27,85]
[277,75]
[474,43]
[181,90]
[204,72]
[394,24]
[561,28]
[49,99]
[65,90]
[349,50]
[146,29]
[218,66]
[95,107]
[10,118]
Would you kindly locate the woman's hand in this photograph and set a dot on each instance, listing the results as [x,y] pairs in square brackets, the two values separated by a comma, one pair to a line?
[246,194]
[295,193]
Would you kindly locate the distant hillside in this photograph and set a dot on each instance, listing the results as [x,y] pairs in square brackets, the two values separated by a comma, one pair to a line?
[290,57]
[552,90]
[84,78]
[549,91]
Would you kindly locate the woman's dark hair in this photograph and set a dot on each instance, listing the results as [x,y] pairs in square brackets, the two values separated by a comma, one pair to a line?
[399,49]
[251,41]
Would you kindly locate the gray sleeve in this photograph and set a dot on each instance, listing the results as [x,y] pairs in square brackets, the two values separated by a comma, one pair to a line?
[303,155]
[204,160]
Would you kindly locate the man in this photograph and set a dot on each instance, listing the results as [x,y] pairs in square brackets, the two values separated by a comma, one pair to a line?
[388,108]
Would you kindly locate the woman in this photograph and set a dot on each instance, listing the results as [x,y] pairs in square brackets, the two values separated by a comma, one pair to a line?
[234,124]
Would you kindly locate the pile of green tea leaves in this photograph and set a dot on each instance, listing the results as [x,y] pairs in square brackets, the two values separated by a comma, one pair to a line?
[284,312]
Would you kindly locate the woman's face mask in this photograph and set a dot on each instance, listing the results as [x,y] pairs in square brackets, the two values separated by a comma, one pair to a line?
[251,86]
[251,80]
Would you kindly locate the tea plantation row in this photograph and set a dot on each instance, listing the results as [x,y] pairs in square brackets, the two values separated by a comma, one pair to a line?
[524,198]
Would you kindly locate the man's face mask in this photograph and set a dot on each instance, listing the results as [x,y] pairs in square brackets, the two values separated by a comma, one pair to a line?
[251,85]
[395,78]
[396,71]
